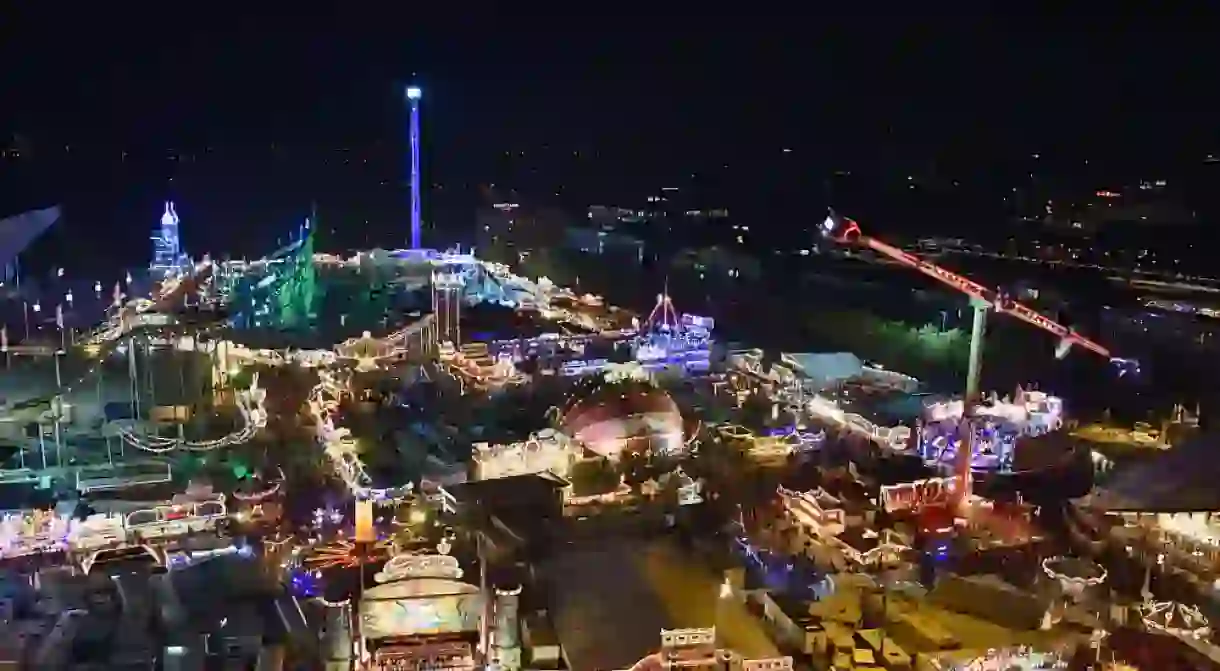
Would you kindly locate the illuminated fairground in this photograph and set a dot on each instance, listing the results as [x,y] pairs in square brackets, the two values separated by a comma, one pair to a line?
[136,380]
[348,337]
[399,604]
[154,534]
[343,321]
[997,428]
[778,443]
[838,389]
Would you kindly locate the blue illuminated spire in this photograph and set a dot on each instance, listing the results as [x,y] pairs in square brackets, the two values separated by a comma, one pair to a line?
[167,245]
[413,94]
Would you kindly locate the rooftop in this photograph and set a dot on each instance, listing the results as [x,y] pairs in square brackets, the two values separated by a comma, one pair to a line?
[519,491]
[1179,480]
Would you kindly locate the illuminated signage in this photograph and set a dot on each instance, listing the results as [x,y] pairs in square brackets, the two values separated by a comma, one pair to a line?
[365,533]
[424,615]
[915,495]
[405,567]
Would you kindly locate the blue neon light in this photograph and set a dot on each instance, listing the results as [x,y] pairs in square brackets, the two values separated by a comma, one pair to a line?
[413,96]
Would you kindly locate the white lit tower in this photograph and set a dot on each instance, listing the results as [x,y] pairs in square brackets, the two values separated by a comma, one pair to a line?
[414,93]
[447,287]
[167,246]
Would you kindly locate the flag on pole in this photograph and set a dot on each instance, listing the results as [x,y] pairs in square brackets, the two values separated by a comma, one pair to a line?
[59,316]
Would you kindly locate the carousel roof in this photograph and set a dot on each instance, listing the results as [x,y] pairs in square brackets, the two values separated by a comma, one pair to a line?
[1073,568]
[607,401]
[604,413]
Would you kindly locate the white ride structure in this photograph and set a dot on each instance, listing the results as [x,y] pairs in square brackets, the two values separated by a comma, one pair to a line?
[250,403]
[337,442]
[24,533]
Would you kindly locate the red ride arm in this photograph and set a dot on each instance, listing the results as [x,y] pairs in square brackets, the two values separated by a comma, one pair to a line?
[979,292]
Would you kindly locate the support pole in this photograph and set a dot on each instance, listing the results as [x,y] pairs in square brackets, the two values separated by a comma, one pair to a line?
[101,371]
[965,443]
[485,621]
[133,378]
[57,411]
[978,331]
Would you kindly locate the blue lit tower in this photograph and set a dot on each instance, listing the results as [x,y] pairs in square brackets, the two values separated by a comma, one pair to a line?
[167,246]
[413,95]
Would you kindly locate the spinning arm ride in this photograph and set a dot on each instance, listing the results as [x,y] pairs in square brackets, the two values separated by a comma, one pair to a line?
[846,231]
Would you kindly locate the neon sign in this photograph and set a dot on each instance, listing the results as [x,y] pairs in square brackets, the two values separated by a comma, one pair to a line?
[915,495]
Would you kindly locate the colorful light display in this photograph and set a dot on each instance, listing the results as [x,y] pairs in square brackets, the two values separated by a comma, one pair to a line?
[920,493]
[346,554]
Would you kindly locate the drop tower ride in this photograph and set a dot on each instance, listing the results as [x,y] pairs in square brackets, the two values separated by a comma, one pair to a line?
[414,93]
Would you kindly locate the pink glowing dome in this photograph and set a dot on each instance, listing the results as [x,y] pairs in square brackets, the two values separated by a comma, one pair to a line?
[610,418]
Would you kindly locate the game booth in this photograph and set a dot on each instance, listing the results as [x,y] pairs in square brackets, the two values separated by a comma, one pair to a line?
[421,615]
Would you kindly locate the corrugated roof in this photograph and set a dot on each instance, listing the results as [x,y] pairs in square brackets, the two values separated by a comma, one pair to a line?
[17,232]
[826,366]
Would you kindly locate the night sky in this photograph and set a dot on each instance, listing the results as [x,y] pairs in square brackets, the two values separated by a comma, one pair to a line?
[250,115]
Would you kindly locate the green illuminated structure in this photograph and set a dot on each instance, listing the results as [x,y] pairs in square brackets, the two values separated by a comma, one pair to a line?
[283,296]
[295,300]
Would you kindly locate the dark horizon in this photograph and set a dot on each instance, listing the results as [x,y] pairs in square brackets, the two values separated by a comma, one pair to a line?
[246,120]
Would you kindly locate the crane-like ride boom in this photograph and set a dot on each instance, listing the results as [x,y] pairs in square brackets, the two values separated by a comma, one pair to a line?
[846,231]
